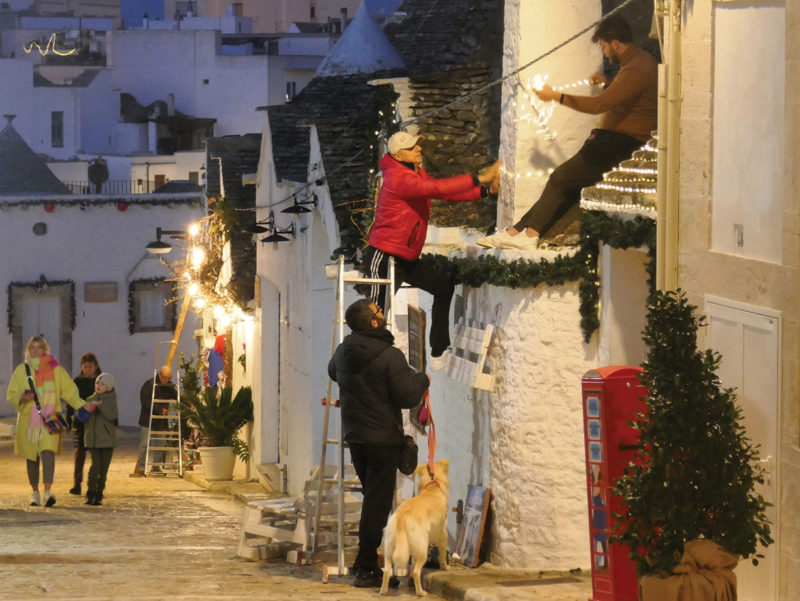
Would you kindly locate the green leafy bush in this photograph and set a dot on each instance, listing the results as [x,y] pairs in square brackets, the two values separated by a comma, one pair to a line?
[218,416]
[696,473]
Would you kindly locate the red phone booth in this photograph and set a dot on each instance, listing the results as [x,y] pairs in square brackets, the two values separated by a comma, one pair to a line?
[611,396]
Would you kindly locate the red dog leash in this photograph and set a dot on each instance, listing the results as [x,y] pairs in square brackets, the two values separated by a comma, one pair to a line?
[431,431]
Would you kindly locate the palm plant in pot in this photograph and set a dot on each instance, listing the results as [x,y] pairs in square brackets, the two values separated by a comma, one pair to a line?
[218,415]
[690,493]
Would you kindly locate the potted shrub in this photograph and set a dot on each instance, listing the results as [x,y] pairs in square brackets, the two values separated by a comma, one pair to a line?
[690,490]
[218,415]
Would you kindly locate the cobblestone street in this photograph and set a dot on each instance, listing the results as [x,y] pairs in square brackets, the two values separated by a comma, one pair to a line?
[165,538]
[153,539]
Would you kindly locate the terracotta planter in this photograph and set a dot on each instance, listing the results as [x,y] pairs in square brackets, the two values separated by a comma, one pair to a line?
[217,462]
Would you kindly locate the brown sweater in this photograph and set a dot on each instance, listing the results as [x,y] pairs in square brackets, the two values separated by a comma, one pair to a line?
[630,103]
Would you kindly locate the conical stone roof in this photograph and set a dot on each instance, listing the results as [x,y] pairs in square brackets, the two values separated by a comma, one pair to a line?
[363,48]
[22,171]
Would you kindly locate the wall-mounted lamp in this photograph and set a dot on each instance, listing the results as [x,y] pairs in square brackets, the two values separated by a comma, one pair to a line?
[301,207]
[277,234]
[160,247]
[261,227]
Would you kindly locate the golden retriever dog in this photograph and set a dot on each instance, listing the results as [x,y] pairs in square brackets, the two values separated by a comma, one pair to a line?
[416,523]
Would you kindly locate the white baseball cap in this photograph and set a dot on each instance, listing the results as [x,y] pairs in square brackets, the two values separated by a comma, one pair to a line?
[402,140]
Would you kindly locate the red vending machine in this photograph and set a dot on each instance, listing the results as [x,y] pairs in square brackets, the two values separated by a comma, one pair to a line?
[611,397]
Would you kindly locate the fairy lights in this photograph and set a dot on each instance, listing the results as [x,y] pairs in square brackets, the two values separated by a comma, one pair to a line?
[613,207]
[536,113]
[526,174]
[616,187]
[50,48]
[639,170]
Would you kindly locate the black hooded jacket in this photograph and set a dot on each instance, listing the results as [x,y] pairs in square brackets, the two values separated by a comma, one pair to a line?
[375,383]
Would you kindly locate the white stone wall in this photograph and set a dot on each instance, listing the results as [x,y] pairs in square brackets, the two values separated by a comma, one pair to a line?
[236,84]
[90,113]
[532,27]
[770,284]
[100,244]
[296,314]
[524,440]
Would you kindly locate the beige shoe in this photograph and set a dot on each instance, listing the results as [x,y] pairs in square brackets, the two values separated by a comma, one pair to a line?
[505,240]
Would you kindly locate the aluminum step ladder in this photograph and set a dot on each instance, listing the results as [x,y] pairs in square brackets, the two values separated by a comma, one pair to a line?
[339,479]
[165,443]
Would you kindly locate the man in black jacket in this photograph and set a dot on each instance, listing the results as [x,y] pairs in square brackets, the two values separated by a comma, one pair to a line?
[375,383]
[164,389]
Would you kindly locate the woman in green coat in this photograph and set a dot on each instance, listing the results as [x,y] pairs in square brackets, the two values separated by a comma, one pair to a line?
[52,383]
[100,436]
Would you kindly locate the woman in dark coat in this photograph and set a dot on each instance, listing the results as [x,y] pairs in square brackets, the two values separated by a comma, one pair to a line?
[90,369]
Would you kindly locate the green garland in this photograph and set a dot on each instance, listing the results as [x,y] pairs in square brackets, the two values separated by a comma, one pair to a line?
[132,287]
[596,227]
[88,202]
[39,285]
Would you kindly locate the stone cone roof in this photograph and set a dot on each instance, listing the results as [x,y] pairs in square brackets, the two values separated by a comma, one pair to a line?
[629,188]
[22,171]
[363,48]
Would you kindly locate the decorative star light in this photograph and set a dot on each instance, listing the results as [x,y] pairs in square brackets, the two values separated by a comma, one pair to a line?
[49,49]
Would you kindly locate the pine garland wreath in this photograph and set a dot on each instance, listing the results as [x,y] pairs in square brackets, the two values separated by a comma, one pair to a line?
[596,228]
[696,472]
[38,286]
[135,285]
[86,202]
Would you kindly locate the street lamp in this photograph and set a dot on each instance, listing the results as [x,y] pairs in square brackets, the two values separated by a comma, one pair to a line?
[277,234]
[160,247]
[299,207]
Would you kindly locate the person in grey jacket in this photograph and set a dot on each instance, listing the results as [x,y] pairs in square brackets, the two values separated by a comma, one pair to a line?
[375,383]
[100,436]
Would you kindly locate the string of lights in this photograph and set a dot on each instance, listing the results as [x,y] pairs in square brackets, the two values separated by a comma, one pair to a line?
[449,105]
[49,49]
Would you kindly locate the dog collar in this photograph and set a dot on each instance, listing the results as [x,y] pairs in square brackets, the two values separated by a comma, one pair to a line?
[436,482]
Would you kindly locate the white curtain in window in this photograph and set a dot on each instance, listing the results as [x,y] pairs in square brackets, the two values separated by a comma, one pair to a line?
[151,308]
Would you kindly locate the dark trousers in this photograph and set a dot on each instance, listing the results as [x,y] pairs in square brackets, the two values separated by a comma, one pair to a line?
[376,467]
[80,461]
[422,276]
[603,150]
[101,460]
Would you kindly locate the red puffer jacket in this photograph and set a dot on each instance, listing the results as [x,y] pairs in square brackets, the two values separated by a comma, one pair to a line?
[404,205]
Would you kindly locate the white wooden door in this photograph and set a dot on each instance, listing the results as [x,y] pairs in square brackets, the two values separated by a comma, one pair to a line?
[41,316]
[748,338]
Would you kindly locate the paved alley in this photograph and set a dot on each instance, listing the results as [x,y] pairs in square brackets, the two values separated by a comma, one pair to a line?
[153,539]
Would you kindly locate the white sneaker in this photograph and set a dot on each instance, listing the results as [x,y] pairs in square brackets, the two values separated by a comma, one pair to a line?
[440,362]
[505,240]
[35,499]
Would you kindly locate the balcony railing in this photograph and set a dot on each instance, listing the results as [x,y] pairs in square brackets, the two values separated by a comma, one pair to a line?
[113,186]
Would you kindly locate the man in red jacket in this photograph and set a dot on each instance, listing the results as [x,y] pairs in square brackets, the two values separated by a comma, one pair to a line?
[401,225]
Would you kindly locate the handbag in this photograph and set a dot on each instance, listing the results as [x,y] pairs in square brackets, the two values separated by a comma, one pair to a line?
[56,423]
[408,456]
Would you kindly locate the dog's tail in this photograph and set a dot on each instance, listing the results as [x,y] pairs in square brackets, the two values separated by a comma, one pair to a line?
[395,543]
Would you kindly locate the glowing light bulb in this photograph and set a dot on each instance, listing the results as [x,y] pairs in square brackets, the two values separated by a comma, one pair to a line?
[193,289]
[198,256]
[194,229]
